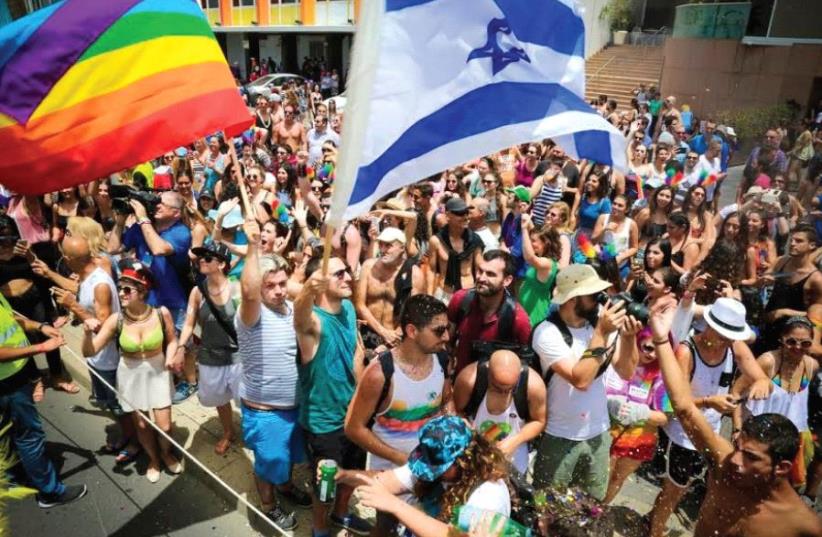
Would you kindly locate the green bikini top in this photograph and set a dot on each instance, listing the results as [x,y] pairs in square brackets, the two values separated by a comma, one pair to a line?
[151,342]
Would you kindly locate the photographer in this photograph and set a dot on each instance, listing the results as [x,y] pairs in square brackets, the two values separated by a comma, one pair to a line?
[575,348]
[163,246]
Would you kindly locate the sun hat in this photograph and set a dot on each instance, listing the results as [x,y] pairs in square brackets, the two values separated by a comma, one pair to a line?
[391,203]
[727,317]
[442,441]
[233,219]
[755,190]
[391,234]
[577,280]
[521,193]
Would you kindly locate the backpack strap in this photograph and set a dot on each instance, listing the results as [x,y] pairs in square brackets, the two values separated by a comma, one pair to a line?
[162,327]
[480,387]
[505,318]
[557,321]
[521,393]
[465,306]
[694,356]
[387,366]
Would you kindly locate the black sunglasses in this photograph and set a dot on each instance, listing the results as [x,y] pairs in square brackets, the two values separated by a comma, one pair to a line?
[208,258]
[125,289]
[340,274]
[439,331]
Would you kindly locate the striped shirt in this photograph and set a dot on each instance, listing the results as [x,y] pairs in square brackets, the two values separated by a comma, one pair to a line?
[268,351]
[549,195]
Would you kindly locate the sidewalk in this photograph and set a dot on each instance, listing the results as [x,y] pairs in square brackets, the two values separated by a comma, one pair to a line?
[197,429]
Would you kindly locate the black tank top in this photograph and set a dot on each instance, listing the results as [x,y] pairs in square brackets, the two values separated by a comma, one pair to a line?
[788,295]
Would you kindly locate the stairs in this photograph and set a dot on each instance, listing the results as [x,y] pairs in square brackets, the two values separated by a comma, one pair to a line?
[615,71]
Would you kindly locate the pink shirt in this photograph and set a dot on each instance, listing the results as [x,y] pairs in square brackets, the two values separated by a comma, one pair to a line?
[34,228]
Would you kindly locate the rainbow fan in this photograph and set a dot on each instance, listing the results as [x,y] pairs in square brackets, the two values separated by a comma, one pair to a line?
[585,246]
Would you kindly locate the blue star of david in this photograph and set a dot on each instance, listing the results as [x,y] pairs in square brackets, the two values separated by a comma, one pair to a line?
[500,59]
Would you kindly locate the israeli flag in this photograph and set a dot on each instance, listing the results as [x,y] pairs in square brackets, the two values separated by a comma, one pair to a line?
[435,83]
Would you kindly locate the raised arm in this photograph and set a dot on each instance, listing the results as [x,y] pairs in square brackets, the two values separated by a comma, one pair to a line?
[306,323]
[679,391]
[251,280]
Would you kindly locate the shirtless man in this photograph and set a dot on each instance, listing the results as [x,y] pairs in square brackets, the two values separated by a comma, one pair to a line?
[290,131]
[376,298]
[455,252]
[749,494]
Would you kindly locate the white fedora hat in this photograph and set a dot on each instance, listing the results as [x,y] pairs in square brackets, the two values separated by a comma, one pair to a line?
[727,317]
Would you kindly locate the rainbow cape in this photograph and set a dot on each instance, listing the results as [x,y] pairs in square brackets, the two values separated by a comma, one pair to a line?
[91,87]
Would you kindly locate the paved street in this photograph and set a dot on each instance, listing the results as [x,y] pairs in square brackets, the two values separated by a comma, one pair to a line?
[120,502]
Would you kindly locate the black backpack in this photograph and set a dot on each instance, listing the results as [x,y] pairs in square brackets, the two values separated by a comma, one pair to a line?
[481,387]
[482,350]
[557,321]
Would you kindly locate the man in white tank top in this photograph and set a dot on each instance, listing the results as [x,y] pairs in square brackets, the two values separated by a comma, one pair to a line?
[708,359]
[416,391]
[497,417]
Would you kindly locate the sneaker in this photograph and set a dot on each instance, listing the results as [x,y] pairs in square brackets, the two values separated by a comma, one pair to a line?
[72,492]
[352,523]
[286,521]
[297,496]
[184,391]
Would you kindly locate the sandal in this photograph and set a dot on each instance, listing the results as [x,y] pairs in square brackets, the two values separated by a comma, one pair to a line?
[68,386]
[125,456]
[38,392]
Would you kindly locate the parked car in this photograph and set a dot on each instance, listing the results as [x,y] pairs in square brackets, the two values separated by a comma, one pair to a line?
[266,84]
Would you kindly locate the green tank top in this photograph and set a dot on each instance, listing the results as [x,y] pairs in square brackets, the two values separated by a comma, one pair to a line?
[326,383]
[535,296]
[11,336]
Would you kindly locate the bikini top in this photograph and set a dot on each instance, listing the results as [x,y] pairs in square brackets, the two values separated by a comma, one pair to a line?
[152,341]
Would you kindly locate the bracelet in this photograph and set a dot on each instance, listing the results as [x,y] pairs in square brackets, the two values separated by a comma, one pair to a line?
[660,341]
[144,221]
[596,352]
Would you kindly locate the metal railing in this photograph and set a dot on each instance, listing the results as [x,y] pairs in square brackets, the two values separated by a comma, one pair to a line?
[604,65]
[653,38]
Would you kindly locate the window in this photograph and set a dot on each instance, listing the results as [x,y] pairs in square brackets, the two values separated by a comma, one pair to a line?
[243,3]
[212,4]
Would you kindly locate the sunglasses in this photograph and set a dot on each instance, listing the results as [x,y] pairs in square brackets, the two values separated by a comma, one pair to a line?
[647,347]
[327,150]
[208,258]
[340,274]
[288,113]
[439,331]
[317,188]
[126,289]
[488,182]
[793,342]
[692,158]
[282,153]
[253,177]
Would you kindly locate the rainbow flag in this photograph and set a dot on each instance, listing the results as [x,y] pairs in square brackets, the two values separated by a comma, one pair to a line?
[91,87]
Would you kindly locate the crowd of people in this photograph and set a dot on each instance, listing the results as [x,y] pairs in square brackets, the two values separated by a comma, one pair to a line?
[521,318]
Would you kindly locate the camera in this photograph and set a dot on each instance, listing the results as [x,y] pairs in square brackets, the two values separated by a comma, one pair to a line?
[637,310]
[122,194]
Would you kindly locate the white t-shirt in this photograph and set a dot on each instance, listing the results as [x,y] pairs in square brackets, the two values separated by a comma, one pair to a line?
[488,239]
[572,414]
[490,496]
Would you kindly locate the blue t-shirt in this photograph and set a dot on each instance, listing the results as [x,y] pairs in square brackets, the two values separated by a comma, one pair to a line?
[589,212]
[167,290]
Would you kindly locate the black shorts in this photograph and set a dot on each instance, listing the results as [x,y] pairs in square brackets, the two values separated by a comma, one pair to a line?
[682,465]
[335,446]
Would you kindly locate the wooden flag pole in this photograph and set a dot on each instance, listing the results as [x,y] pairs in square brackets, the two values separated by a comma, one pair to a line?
[329,234]
[247,209]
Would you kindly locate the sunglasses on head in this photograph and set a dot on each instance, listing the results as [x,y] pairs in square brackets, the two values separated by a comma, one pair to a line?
[793,342]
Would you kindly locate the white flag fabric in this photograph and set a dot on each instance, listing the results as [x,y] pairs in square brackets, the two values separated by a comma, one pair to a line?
[435,83]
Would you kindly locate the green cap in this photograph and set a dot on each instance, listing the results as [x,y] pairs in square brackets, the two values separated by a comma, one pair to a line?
[521,192]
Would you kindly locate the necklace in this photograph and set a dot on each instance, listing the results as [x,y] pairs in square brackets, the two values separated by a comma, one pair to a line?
[787,382]
[220,291]
[138,319]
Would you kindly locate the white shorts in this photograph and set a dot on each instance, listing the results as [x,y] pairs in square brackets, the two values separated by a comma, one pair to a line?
[219,384]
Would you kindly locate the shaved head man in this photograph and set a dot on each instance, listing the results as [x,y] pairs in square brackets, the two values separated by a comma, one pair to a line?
[505,401]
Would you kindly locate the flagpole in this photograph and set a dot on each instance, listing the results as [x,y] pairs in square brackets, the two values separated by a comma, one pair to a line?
[329,234]
[239,178]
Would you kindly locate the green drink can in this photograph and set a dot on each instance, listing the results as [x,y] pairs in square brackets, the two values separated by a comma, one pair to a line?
[327,486]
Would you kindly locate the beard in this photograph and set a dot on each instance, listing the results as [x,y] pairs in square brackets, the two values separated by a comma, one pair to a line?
[589,313]
[487,289]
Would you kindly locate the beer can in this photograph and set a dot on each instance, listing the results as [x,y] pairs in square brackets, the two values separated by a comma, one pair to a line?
[327,486]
